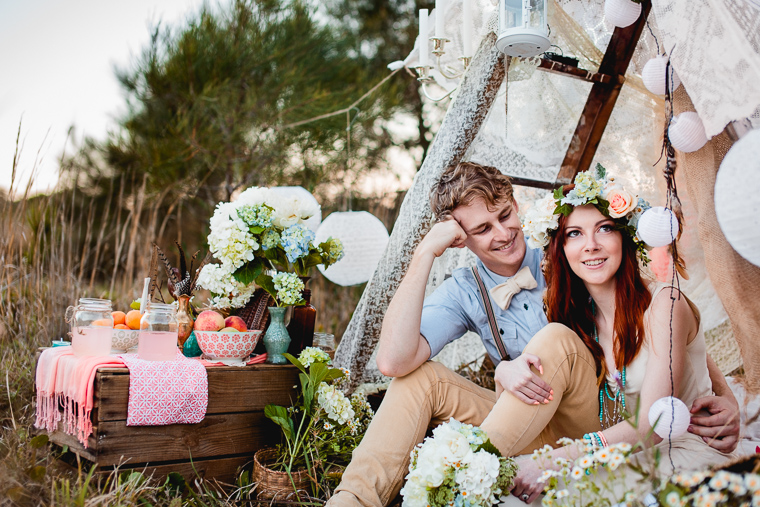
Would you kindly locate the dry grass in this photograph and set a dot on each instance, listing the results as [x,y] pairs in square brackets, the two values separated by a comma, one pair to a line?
[55,249]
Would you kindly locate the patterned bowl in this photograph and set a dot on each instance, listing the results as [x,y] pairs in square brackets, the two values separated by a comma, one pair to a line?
[231,348]
[124,339]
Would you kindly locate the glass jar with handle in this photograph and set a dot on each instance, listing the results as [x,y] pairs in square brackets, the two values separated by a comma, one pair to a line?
[91,327]
[158,333]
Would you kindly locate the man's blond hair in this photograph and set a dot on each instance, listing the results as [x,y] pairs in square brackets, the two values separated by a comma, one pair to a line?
[466,182]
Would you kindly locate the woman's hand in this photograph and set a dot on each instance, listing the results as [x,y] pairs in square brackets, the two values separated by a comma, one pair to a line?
[517,377]
[526,486]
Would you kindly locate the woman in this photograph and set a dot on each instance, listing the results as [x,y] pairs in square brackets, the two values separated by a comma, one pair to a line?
[644,336]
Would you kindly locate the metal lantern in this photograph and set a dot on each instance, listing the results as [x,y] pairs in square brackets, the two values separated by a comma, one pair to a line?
[523,27]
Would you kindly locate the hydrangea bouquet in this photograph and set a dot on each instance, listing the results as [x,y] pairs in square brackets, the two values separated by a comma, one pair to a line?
[457,466]
[323,426]
[260,232]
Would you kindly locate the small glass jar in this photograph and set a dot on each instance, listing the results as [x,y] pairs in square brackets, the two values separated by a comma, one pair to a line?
[91,327]
[158,333]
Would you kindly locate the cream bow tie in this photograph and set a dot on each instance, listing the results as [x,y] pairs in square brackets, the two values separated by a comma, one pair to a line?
[503,292]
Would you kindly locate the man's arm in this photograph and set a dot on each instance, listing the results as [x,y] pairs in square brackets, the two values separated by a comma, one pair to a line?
[402,348]
[720,429]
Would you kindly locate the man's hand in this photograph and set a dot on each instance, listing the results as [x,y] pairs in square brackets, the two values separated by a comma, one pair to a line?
[720,429]
[445,234]
[517,377]
[526,486]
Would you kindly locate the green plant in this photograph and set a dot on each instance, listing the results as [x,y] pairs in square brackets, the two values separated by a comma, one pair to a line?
[322,427]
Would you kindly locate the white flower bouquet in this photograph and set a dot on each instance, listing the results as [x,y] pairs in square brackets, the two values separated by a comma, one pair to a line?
[457,466]
[259,232]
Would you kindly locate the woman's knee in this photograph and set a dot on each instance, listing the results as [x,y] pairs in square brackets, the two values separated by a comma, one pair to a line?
[556,337]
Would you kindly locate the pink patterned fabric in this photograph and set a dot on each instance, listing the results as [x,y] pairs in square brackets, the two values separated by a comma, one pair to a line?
[166,392]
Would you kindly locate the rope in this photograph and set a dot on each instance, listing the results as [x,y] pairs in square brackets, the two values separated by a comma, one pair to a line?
[340,111]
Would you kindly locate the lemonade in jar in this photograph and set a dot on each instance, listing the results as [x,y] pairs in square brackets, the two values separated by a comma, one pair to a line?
[91,327]
[158,333]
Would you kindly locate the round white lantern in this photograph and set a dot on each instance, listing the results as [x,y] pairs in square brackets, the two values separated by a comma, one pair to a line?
[304,195]
[673,415]
[621,13]
[736,189]
[364,239]
[658,226]
[686,132]
[653,75]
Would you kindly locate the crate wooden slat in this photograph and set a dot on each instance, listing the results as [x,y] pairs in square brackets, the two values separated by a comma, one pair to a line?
[232,431]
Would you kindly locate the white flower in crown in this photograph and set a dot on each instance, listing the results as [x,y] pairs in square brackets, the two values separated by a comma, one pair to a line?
[539,220]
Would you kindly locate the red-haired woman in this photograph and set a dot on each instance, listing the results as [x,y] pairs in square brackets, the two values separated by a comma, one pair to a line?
[642,336]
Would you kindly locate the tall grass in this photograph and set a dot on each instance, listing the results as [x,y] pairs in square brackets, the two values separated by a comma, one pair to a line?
[70,243]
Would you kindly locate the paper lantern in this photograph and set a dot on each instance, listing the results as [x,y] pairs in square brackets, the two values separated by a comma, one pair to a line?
[303,194]
[736,188]
[673,415]
[621,13]
[364,239]
[686,132]
[653,75]
[658,226]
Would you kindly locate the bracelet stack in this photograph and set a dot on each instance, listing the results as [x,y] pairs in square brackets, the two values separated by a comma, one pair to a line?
[597,438]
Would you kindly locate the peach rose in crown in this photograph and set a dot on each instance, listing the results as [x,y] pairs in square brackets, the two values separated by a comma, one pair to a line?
[621,201]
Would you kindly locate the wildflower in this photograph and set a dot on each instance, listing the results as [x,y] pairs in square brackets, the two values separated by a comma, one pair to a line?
[603,455]
[585,462]
[673,499]
[577,473]
[752,482]
[616,459]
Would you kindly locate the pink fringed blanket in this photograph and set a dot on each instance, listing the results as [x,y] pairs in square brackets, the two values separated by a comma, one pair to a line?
[67,381]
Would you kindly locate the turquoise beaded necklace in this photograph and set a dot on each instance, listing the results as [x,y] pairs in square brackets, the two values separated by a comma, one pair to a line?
[609,417]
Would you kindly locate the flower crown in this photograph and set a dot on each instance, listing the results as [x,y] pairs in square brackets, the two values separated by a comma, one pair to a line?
[591,187]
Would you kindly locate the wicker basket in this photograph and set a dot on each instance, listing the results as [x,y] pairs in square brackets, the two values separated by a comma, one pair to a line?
[276,486]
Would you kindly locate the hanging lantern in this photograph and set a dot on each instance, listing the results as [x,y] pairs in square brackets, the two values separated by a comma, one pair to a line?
[653,75]
[658,226]
[736,189]
[523,27]
[671,416]
[686,132]
[622,13]
[303,195]
[364,239]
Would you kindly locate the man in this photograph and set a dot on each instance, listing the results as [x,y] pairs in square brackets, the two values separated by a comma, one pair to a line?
[474,208]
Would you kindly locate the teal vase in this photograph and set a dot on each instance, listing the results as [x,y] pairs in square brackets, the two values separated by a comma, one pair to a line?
[277,339]
[191,347]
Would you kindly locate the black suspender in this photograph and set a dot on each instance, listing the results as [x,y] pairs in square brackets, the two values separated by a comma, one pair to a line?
[490,315]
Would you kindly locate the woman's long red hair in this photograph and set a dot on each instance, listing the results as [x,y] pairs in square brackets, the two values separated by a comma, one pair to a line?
[568,302]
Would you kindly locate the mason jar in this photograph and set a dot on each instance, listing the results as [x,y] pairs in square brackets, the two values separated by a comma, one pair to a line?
[158,333]
[91,327]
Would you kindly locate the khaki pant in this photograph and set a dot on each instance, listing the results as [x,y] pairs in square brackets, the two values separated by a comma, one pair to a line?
[432,394]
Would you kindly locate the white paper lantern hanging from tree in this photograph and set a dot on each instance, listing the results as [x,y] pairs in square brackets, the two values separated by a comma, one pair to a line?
[658,226]
[622,13]
[671,415]
[364,239]
[736,189]
[303,194]
[653,75]
[686,132]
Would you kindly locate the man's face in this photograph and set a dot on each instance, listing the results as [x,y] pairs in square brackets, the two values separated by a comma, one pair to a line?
[496,236]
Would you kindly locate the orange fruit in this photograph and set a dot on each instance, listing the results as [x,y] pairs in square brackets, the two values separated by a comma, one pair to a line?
[101,322]
[118,318]
[121,326]
[133,319]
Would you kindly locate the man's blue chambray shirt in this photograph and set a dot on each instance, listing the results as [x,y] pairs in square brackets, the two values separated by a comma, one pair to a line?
[455,307]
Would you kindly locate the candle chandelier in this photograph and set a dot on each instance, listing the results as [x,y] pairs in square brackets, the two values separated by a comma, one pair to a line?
[523,32]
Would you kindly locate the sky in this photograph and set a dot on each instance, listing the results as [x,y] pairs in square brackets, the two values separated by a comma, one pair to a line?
[57,61]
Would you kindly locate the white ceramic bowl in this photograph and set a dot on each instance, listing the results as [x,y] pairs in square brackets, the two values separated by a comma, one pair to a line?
[231,348]
[124,339]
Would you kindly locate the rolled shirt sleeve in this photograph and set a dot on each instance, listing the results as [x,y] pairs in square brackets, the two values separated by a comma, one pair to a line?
[444,318]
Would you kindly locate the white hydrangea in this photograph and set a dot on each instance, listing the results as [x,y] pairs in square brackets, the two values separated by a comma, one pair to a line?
[539,220]
[226,291]
[478,475]
[334,403]
[310,355]
[230,240]
[289,210]
[254,196]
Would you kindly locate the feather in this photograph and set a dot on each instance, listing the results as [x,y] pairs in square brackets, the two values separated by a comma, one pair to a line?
[194,276]
[183,273]
[167,266]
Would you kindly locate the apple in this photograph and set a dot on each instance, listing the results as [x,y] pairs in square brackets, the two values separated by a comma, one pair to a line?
[235,322]
[209,320]
[229,330]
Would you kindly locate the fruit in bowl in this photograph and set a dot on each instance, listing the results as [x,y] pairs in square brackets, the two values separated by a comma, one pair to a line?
[229,347]
[123,339]
[209,320]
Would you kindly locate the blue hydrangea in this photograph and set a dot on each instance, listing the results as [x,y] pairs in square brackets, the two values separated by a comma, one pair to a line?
[296,241]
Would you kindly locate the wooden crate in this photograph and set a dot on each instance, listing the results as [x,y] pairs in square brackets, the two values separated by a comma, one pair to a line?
[232,431]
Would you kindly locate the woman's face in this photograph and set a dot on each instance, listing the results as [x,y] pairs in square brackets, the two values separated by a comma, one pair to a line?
[593,247]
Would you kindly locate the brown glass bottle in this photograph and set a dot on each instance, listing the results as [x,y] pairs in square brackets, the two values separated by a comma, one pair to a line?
[301,326]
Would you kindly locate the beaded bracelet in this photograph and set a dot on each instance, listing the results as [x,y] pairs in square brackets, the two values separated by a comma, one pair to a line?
[602,438]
